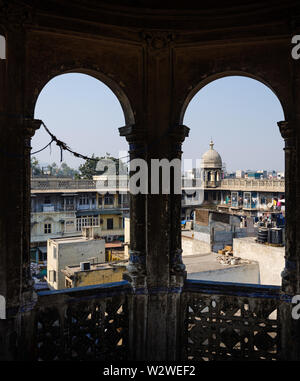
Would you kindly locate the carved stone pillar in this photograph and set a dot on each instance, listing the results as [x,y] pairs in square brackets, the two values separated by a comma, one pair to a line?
[155,270]
[177,268]
[30,127]
[290,328]
[136,271]
[290,275]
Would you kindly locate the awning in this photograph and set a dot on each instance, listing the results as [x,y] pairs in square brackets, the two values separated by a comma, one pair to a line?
[83,213]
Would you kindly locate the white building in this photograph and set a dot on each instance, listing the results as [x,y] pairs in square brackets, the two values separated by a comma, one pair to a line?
[239,174]
[70,251]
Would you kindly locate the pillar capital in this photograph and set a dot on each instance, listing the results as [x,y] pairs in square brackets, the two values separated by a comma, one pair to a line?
[288,132]
[30,127]
[133,134]
[179,133]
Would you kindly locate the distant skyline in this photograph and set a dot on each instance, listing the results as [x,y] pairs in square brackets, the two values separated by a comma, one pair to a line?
[238,113]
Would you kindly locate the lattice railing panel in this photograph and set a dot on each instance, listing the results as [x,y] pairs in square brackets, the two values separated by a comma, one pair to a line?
[82,328]
[229,327]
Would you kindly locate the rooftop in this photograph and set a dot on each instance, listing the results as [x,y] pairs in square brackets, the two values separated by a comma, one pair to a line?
[69,271]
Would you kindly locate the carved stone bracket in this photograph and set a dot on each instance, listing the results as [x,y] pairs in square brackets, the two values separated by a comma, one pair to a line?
[29,129]
[288,133]
[136,139]
[133,134]
[178,135]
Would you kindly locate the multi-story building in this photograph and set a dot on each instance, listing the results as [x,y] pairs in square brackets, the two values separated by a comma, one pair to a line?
[72,251]
[247,196]
[62,207]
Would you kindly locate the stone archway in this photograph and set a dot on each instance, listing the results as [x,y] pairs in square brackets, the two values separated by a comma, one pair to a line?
[281,97]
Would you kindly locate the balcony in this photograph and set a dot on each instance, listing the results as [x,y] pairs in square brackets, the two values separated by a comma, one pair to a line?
[61,185]
[226,321]
[262,185]
[88,323]
[221,321]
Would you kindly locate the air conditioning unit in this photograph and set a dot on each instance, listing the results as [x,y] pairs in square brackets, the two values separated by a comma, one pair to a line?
[85,266]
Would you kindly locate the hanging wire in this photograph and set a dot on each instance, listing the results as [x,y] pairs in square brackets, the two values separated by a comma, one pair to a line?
[64,147]
[49,144]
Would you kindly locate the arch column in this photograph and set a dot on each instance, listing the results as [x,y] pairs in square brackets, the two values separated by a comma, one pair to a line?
[156,271]
[290,328]
[290,275]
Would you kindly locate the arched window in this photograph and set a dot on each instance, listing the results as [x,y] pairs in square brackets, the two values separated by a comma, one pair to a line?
[240,115]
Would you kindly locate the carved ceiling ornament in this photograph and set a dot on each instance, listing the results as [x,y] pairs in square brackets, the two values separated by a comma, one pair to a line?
[157,40]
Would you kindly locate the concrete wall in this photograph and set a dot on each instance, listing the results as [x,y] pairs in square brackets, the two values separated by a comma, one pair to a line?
[192,246]
[270,258]
[244,273]
[218,234]
[88,278]
[71,253]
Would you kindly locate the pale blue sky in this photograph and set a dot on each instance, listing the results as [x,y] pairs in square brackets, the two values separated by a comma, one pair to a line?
[239,113]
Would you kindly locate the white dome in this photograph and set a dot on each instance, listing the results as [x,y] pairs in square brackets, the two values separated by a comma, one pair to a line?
[211,158]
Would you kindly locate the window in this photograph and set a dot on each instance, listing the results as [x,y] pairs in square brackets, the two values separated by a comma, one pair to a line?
[247,200]
[54,252]
[234,199]
[47,200]
[69,201]
[47,228]
[83,200]
[109,199]
[110,223]
[52,276]
[86,221]
[120,199]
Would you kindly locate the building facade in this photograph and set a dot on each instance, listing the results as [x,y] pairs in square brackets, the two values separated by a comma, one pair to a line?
[62,207]
[72,251]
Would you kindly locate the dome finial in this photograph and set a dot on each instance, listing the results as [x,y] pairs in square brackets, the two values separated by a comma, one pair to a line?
[211,143]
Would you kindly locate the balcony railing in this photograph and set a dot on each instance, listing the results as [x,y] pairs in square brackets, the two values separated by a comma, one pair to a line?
[227,321]
[225,184]
[88,323]
[221,321]
[253,185]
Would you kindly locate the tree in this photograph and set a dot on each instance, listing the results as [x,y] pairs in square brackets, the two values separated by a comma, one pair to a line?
[66,171]
[88,169]
[35,167]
